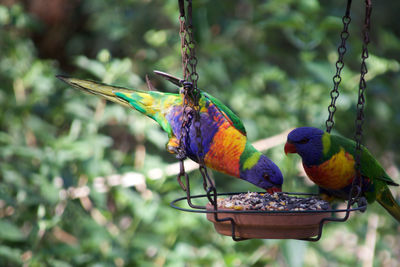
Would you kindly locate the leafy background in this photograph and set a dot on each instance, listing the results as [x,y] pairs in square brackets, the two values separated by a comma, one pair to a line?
[85,183]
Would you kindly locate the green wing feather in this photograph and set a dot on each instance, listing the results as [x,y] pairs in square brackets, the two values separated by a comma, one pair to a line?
[229,115]
[370,167]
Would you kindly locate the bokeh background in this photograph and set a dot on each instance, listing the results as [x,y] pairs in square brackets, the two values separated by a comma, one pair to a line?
[88,183]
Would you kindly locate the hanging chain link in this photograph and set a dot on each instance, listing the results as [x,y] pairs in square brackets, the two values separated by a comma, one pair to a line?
[344,35]
[361,89]
[191,97]
[183,33]
[186,120]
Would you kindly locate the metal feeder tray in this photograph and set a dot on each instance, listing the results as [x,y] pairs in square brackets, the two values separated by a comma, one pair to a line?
[247,224]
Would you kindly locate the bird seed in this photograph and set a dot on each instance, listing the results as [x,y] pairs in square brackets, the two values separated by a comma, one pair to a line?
[272,202]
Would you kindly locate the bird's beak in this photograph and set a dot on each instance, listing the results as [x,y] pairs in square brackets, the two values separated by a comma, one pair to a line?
[273,190]
[290,148]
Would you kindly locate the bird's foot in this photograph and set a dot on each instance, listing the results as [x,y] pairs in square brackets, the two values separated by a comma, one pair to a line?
[173,145]
[362,203]
[174,148]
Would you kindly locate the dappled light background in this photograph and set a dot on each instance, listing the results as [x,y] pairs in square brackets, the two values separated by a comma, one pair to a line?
[84,182]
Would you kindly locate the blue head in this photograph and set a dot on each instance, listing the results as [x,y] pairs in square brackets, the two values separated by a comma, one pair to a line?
[264,174]
[307,142]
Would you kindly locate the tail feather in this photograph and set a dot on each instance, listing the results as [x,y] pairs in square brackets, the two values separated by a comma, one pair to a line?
[150,103]
[386,199]
[100,89]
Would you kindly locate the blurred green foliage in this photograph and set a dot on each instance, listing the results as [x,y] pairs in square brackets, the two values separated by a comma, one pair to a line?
[85,184]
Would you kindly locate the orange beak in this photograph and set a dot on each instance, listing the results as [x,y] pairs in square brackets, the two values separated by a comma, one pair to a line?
[290,148]
[273,190]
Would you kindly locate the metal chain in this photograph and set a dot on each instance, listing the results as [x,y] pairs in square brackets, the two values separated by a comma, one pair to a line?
[186,108]
[191,97]
[344,35]
[361,89]
[184,43]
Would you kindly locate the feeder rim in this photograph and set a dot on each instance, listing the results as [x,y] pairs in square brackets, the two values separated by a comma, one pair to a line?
[204,210]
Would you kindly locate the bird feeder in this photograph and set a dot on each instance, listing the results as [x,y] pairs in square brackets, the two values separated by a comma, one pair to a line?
[243,224]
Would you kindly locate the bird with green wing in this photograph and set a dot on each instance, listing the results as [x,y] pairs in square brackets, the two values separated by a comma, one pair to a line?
[329,161]
[225,147]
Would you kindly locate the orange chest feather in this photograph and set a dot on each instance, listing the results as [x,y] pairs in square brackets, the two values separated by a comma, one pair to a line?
[225,150]
[335,173]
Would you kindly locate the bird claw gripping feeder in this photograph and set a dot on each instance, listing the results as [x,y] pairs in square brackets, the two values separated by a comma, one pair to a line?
[278,223]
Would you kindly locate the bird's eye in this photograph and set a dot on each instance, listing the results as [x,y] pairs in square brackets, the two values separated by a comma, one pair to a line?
[304,141]
[266,177]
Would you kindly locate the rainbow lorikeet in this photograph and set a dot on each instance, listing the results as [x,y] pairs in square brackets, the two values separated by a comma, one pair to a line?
[224,142]
[329,161]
